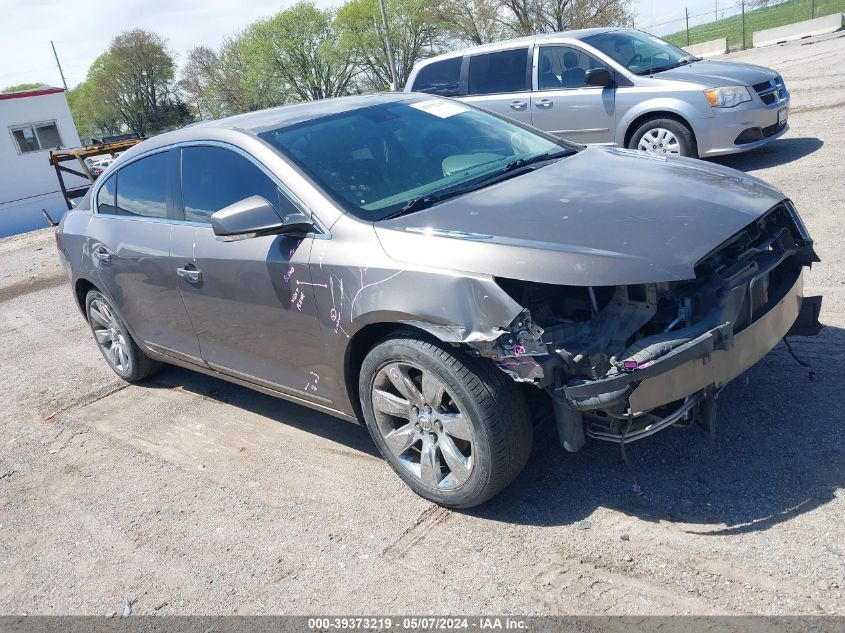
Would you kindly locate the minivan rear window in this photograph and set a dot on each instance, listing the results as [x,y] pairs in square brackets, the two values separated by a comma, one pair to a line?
[502,71]
[440,78]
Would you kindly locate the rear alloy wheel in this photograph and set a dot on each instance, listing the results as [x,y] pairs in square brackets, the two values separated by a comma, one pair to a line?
[664,137]
[116,344]
[455,429]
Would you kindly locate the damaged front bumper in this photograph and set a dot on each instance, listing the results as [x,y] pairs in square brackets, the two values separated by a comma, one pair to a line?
[682,385]
[714,358]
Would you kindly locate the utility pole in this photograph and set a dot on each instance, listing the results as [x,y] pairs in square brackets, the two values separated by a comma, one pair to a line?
[391,60]
[743,24]
[686,10]
[64,83]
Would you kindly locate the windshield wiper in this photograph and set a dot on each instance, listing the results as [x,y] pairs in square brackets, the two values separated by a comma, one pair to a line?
[539,158]
[689,59]
[415,204]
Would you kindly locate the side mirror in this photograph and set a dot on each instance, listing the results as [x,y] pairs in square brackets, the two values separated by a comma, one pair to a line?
[598,78]
[254,217]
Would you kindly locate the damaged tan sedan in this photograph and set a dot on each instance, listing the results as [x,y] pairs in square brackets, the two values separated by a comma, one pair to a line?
[431,269]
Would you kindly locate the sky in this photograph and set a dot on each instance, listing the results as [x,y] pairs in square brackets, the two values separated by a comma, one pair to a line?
[83,30]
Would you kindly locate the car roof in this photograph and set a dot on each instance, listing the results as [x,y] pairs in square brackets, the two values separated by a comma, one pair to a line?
[577,34]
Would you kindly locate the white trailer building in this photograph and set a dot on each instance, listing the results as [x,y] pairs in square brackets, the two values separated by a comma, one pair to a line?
[32,122]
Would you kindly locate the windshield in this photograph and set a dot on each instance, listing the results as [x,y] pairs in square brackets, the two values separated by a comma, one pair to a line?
[376,160]
[639,52]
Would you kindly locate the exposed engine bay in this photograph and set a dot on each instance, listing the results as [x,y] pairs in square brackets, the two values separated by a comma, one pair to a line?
[591,348]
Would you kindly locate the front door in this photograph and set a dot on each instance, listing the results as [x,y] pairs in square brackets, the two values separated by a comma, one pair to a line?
[563,105]
[251,301]
[500,82]
[129,237]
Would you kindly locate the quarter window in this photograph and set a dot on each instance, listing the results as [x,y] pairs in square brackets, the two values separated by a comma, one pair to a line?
[36,136]
[502,71]
[215,177]
[142,187]
[440,78]
[105,197]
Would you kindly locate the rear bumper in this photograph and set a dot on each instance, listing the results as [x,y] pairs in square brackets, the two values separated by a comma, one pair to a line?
[709,361]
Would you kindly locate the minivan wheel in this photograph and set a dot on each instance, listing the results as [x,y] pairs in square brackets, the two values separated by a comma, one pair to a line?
[116,344]
[454,428]
[664,137]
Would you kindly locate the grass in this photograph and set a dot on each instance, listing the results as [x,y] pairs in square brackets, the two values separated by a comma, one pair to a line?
[757,20]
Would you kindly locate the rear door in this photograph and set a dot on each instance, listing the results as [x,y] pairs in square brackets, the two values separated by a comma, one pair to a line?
[500,81]
[251,301]
[129,238]
[562,104]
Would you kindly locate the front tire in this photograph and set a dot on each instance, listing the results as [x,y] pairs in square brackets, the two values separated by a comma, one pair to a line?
[454,428]
[115,343]
[664,137]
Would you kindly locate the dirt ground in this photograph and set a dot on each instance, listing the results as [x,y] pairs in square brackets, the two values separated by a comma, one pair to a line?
[188,495]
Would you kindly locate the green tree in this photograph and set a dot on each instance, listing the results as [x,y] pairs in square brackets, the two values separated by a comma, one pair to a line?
[136,79]
[299,51]
[416,31]
[20,87]
[93,116]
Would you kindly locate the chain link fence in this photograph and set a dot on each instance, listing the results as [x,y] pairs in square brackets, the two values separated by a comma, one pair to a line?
[738,19]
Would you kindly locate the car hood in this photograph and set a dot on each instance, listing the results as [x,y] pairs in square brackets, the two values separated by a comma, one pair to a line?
[714,74]
[600,217]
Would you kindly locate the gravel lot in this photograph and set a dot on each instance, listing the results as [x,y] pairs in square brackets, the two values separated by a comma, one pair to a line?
[188,495]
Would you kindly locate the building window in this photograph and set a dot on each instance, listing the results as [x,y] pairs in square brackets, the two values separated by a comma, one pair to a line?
[37,136]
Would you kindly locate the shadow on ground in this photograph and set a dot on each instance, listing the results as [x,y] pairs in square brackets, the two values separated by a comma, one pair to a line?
[779,451]
[779,152]
[282,411]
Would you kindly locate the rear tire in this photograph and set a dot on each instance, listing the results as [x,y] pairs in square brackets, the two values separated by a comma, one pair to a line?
[662,136]
[471,435]
[115,343]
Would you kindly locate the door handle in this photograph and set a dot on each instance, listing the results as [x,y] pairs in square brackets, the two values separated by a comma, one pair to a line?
[191,275]
[518,105]
[102,254]
[544,103]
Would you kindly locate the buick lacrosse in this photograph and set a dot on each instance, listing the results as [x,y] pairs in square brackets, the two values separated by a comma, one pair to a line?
[439,273]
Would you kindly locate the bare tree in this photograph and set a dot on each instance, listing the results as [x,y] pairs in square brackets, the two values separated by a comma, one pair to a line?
[527,17]
[471,21]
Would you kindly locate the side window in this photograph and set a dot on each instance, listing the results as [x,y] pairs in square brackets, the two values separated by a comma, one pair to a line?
[142,187]
[440,78]
[564,67]
[215,177]
[502,71]
[105,196]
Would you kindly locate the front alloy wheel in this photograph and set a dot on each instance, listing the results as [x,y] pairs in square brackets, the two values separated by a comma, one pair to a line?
[454,428]
[422,426]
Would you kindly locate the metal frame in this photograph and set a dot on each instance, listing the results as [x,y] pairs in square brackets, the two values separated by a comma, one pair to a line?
[79,154]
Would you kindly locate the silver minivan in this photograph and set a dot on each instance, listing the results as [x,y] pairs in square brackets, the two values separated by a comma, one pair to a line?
[616,86]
